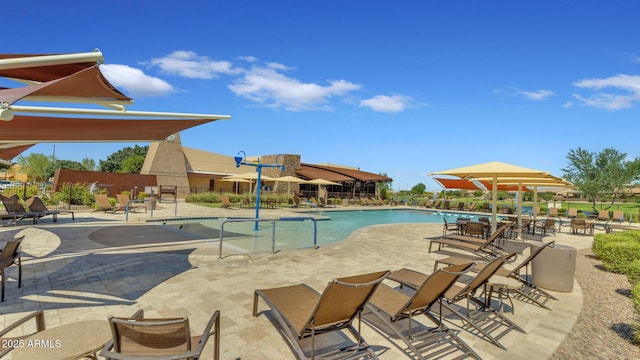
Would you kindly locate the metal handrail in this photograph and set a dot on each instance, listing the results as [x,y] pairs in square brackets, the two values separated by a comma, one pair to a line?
[273,229]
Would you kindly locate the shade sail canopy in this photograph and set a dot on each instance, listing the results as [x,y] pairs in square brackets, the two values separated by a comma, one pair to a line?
[492,169]
[87,83]
[457,184]
[9,152]
[22,68]
[289,179]
[35,129]
[502,187]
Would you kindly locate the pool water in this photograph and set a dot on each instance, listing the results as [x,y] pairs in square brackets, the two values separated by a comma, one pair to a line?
[242,236]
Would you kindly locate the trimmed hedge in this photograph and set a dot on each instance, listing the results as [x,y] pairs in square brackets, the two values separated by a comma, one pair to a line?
[617,250]
[620,253]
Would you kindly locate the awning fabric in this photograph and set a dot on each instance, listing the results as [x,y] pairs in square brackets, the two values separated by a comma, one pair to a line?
[86,83]
[42,73]
[10,152]
[457,184]
[503,187]
[25,129]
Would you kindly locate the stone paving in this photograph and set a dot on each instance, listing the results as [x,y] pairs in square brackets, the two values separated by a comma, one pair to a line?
[101,265]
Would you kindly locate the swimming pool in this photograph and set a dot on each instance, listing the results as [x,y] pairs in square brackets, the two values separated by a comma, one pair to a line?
[337,226]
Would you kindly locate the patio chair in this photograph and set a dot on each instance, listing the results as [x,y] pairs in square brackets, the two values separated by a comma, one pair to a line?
[580,225]
[572,213]
[10,256]
[397,311]
[438,204]
[603,215]
[523,288]
[15,210]
[138,337]
[618,215]
[6,333]
[482,319]
[552,212]
[449,227]
[303,314]
[124,203]
[461,206]
[548,225]
[480,247]
[36,205]
[472,207]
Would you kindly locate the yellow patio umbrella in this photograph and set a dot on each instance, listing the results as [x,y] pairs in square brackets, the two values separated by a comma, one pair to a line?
[493,171]
[321,182]
[237,181]
[289,179]
[252,176]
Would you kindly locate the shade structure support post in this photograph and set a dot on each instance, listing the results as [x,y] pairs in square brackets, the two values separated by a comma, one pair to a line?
[494,207]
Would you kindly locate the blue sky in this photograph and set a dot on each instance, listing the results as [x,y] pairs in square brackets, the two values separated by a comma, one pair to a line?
[403,88]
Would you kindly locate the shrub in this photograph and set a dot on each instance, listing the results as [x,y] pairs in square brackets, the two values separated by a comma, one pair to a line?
[635,295]
[633,273]
[617,250]
[74,194]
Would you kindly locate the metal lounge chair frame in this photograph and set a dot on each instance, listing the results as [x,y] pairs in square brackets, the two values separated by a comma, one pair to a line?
[10,256]
[37,316]
[36,205]
[483,319]
[525,290]
[301,313]
[475,245]
[16,211]
[396,310]
[159,339]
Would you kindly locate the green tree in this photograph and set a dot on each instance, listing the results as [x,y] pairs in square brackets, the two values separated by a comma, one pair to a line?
[418,189]
[601,175]
[35,165]
[115,161]
[383,188]
[132,164]
[88,164]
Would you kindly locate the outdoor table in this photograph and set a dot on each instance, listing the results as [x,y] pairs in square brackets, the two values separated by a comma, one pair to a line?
[65,342]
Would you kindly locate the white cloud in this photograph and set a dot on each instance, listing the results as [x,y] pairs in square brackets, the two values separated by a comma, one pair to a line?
[270,87]
[536,95]
[389,104]
[134,82]
[191,65]
[626,88]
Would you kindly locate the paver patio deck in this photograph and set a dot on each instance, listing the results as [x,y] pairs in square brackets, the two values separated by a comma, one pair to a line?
[99,266]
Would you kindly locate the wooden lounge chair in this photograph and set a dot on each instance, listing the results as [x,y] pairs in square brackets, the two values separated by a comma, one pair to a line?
[398,311]
[15,210]
[480,247]
[8,332]
[125,203]
[36,205]
[480,319]
[303,313]
[159,339]
[10,256]
[512,281]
